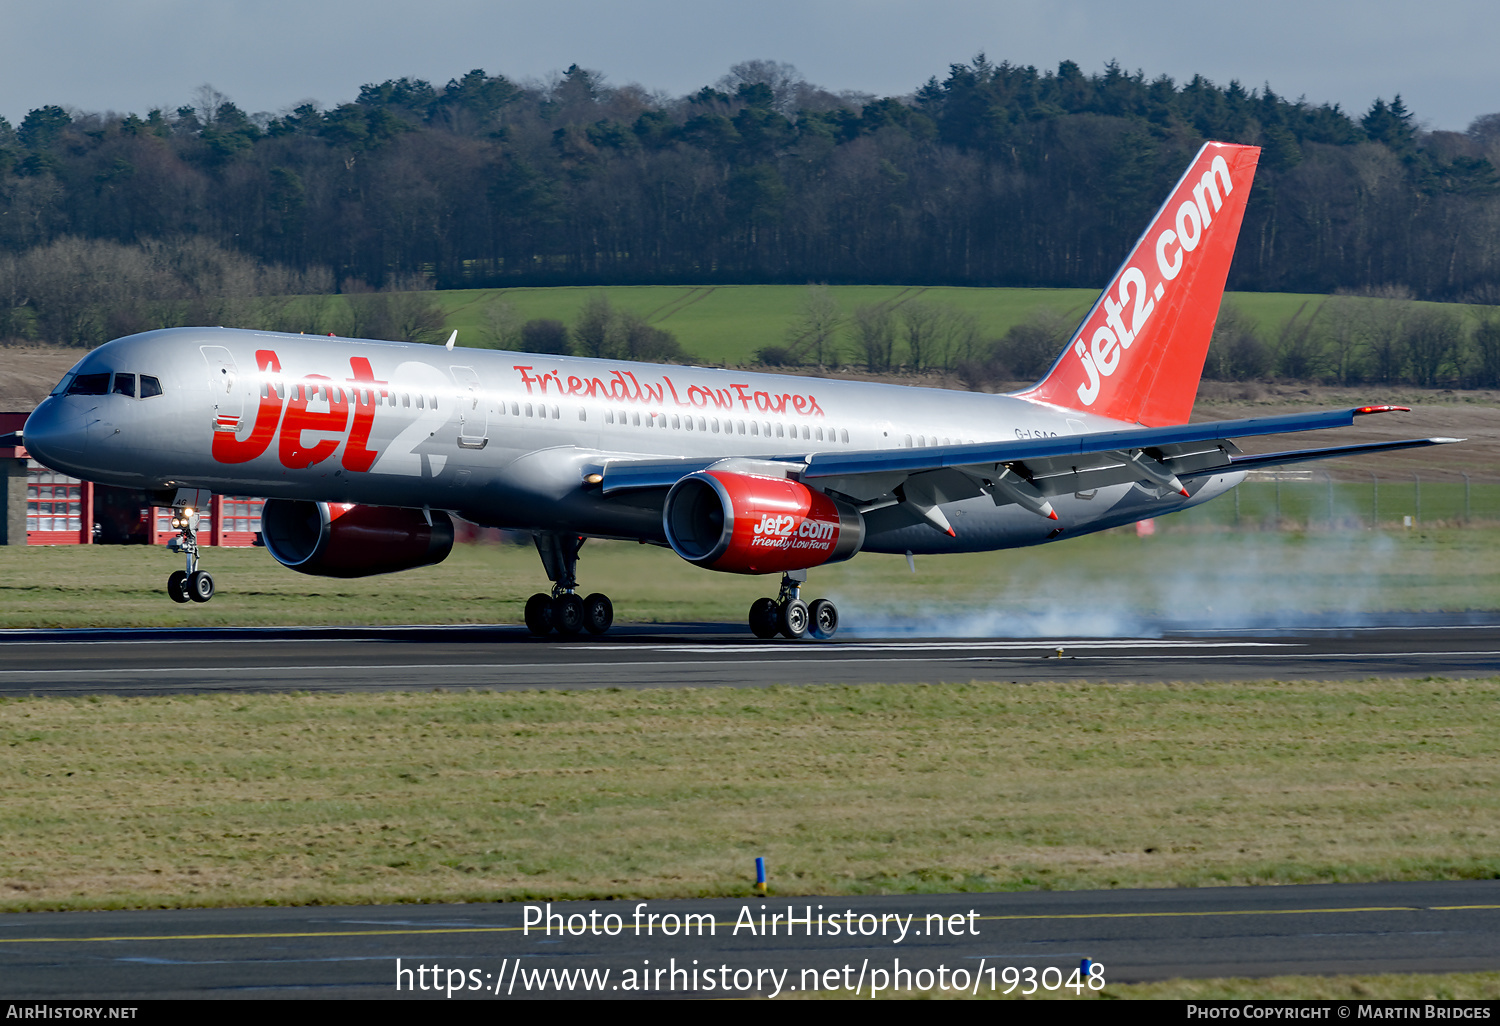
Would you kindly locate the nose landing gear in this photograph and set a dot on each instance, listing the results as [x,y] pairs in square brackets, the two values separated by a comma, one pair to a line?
[563,611]
[192,584]
[789,616]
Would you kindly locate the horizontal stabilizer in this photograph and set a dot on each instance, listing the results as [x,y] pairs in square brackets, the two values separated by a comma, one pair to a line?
[1282,459]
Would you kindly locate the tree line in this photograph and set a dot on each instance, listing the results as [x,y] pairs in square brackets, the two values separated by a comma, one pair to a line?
[1381,337]
[993,174]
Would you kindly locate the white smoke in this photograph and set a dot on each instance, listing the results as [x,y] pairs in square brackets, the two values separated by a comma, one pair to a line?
[1119,585]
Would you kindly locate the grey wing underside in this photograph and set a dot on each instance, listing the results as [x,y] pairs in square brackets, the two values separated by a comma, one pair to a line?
[1027,471]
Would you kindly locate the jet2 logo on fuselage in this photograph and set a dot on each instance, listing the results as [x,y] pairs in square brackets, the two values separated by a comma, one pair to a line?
[286,406]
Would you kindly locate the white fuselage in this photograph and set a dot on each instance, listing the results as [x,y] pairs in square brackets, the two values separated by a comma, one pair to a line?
[507,439]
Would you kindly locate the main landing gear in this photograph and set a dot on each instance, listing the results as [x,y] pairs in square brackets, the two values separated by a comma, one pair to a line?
[192,584]
[789,616]
[563,611]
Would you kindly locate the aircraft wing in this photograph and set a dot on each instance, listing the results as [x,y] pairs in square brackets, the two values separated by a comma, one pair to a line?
[1028,471]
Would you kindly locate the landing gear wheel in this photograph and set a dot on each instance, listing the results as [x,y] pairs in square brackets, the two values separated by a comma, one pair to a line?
[824,619]
[793,619]
[200,586]
[598,613]
[539,614]
[177,586]
[567,613]
[763,618]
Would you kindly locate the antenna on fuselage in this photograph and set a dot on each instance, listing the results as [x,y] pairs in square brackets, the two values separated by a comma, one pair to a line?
[451,339]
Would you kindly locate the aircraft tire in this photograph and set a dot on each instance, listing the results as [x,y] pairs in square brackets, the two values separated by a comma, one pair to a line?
[598,613]
[764,622]
[200,586]
[823,619]
[539,614]
[793,619]
[177,586]
[567,614]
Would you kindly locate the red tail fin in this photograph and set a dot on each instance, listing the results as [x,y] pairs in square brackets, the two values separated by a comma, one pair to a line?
[1140,351]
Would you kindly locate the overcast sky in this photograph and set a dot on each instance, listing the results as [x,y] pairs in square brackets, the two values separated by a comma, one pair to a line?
[269,55]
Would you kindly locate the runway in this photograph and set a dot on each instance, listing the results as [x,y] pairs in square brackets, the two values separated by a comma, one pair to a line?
[483,951]
[486,951]
[140,662]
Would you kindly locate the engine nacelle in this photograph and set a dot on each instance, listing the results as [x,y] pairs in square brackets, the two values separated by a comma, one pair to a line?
[340,539]
[745,524]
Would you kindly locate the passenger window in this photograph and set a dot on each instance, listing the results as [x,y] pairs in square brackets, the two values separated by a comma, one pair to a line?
[689,424]
[805,433]
[529,411]
[820,434]
[90,384]
[556,413]
[780,431]
[636,419]
[609,416]
[676,423]
[844,436]
[716,425]
[583,413]
[754,428]
[125,385]
[149,386]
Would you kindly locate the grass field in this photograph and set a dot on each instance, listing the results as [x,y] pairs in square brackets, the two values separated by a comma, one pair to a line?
[478,796]
[1099,584]
[980,786]
[726,324]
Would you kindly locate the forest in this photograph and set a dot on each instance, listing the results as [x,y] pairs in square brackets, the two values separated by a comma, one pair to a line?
[989,175]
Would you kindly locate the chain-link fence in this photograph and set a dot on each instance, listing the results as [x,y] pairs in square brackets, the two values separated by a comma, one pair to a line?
[1313,500]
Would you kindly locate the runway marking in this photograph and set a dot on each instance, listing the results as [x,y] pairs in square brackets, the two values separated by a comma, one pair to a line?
[937,646]
[345,668]
[729,924]
[751,646]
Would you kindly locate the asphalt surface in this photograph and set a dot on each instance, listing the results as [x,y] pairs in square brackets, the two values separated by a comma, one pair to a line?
[137,662]
[484,951]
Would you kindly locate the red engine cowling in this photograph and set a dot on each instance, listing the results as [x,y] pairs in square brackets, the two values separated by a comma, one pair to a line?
[744,524]
[340,539]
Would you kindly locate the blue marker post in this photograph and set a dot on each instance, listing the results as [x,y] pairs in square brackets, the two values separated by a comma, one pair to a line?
[760,874]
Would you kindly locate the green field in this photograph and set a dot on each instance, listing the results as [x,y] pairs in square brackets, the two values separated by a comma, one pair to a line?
[936,787]
[1319,505]
[726,324]
[985,786]
[1094,584]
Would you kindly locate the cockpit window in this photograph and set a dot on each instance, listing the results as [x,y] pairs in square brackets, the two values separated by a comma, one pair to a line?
[67,379]
[90,384]
[124,385]
[149,386]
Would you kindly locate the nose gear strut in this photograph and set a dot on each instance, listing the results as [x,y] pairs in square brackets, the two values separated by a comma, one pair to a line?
[191,584]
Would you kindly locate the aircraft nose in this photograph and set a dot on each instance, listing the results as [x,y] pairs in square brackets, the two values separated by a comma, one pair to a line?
[54,433]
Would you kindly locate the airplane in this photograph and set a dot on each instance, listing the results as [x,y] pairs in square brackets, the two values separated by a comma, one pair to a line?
[365,449]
